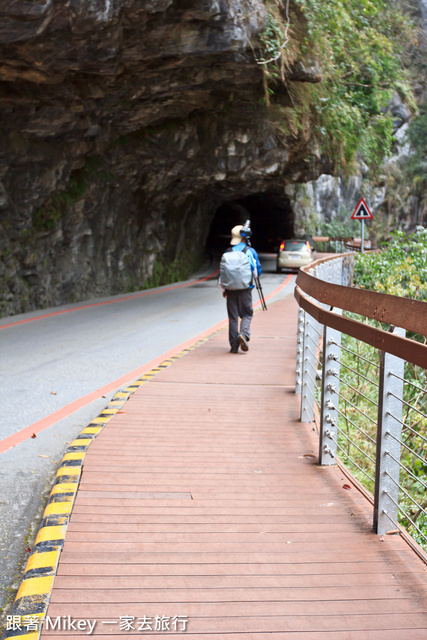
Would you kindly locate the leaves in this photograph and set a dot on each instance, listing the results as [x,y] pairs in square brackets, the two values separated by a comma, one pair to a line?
[358,45]
[416,162]
[400,269]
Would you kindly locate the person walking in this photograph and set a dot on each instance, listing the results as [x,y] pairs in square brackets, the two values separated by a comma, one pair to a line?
[239,265]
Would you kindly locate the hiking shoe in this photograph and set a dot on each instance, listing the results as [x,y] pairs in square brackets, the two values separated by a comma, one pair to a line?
[243,342]
[234,350]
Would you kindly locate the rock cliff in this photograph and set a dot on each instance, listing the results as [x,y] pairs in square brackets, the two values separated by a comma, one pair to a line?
[125,124]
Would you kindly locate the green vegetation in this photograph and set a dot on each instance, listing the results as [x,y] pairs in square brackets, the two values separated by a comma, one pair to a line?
[270,39]
[356,45]
[166,272]
[416,163]
[46,217]
[405,180]
[400,269]
[342,226]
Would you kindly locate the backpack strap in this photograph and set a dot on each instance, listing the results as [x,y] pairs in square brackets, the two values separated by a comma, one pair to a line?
[231,249]
[245,250]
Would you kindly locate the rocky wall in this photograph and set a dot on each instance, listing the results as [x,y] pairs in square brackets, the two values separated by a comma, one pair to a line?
[124,125]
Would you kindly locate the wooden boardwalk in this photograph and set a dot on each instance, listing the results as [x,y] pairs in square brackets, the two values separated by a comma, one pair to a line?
[202,506]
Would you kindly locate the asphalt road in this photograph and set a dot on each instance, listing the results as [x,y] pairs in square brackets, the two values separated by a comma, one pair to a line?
[58,370]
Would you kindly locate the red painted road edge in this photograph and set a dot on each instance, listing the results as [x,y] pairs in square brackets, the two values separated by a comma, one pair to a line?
[100,304]
[49,420]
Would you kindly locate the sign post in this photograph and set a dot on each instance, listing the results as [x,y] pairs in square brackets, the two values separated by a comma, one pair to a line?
[362,213]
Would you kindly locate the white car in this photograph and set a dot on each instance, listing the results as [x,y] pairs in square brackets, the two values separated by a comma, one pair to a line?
[293,254]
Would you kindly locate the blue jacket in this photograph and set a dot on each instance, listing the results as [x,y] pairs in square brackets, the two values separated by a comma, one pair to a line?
[253,259]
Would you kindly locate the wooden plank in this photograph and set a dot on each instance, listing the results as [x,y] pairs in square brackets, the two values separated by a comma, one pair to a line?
[222,509]
[217,609]
[274,541]
[144,511]
[235,548]
[129,596]
[74,556]
[115,524]
[147,515]
[229,581]
[193,506]
[241,569]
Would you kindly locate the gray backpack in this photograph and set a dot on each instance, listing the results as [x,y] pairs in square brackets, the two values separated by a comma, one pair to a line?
[235,270]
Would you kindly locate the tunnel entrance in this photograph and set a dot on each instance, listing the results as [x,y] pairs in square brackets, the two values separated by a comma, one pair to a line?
[270,216]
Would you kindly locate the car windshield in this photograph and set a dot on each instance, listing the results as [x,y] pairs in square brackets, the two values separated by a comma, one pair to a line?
[294,245]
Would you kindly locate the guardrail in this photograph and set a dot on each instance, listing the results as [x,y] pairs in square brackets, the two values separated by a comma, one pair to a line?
[363,386]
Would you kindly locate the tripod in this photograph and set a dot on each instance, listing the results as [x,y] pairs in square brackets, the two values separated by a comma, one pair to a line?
[247,231]
[260,293]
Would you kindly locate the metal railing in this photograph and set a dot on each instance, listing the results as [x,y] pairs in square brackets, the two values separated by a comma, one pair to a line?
[363,386]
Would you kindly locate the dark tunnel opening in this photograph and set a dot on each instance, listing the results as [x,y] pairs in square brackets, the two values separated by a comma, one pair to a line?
[270,216]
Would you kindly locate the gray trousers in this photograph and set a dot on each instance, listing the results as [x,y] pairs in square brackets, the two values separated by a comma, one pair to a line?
[239,305]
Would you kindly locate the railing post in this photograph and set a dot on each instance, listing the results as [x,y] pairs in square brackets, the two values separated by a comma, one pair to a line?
[347,270]
[300,349]
[389,431]
[337,271]
[330,398]
[308,371]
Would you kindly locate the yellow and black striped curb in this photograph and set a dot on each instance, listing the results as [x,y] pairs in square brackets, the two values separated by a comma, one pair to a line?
[30,606]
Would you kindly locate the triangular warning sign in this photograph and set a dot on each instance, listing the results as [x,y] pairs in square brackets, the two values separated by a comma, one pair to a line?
[362,212]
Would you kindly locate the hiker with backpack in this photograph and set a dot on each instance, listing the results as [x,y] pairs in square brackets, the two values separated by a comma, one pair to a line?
[238,267]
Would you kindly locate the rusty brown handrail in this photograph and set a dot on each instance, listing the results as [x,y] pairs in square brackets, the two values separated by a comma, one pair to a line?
[401,312]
